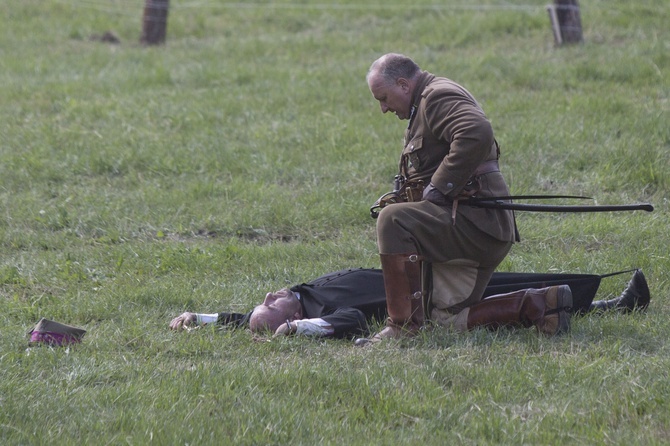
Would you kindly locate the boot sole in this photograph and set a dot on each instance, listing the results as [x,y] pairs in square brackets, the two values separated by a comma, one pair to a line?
[564,301]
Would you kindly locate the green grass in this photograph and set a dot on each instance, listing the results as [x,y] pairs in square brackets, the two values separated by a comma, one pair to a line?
[242,156]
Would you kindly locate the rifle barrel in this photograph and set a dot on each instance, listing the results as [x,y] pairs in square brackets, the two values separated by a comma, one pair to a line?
[558,208]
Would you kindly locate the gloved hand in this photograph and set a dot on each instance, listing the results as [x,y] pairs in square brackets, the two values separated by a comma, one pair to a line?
[432,194]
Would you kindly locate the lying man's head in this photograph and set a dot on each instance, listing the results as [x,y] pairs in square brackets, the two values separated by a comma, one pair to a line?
[276,309]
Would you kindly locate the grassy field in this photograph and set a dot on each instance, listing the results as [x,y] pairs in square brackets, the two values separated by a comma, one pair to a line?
[243,155]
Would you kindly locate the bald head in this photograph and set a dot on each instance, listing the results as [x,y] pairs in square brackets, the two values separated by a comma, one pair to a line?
[392,79]
[393,66]
[276,309]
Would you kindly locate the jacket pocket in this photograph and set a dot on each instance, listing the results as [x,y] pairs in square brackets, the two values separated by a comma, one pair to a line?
[412,155]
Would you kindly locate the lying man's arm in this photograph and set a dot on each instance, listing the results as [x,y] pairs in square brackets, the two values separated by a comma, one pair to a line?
[191,320]
[342,323]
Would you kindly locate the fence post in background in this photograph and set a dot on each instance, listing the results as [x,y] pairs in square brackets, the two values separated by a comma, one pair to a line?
[154,22]
[565,21]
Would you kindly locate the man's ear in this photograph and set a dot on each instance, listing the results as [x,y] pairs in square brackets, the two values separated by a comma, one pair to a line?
[296,316]
[403,84]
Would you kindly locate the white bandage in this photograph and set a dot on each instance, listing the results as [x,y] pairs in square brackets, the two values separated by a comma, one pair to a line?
[313,327]
[204,319]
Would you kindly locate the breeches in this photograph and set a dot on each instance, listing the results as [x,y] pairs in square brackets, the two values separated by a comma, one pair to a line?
[459,259]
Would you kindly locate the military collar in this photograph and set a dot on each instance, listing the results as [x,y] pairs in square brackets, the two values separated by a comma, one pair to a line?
[424,79]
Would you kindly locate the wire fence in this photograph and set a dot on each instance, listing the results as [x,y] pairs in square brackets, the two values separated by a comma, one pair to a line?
[129,7]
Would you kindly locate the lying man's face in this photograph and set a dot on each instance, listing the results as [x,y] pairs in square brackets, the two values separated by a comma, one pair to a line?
[276,309]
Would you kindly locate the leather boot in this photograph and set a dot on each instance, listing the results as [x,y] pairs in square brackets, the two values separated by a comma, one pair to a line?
[635,297]
[404,299]
[548,309]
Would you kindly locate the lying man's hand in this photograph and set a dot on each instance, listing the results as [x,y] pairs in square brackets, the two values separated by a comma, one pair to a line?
[183,320]
[286,329]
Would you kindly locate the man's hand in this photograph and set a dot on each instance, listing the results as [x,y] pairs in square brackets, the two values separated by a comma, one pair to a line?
[184,320]
[286,329]
[432,194]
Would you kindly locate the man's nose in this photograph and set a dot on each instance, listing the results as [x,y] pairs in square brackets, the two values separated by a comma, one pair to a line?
[384,108]
[269,298]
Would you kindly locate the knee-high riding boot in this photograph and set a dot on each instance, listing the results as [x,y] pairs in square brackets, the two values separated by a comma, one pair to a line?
[404,300]
[548,309]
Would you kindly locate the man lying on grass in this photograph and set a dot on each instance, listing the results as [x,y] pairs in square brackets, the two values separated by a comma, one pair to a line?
[342,304]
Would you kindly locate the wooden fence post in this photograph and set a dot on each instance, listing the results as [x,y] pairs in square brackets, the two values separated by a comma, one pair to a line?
[565,21]
[154,22]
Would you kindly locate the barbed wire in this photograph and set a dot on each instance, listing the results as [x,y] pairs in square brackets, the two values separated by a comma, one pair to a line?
[126,6]
[357,6]
[101,6]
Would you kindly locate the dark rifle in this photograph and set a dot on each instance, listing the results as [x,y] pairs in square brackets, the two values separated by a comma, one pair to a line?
[502,203]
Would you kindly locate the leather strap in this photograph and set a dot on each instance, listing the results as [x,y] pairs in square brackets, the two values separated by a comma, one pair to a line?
[484,168]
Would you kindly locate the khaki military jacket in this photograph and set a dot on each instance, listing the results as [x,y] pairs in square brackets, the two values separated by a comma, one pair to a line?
[448,137]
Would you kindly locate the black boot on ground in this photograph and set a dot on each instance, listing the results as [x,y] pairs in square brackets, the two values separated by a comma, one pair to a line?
[635,297]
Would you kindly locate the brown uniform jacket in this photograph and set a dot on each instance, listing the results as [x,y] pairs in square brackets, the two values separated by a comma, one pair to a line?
[448,137]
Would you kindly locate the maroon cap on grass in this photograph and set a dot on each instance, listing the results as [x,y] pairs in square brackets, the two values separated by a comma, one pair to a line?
[55,333]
